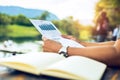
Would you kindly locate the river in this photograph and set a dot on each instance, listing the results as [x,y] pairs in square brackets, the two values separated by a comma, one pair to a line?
[26,47]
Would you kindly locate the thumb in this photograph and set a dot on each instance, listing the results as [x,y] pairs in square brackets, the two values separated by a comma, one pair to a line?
[44,38]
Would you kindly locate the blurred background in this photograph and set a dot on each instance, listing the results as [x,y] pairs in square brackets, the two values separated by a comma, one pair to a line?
[72,17]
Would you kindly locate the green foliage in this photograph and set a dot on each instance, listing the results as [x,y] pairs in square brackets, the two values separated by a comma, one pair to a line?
[18,32]
[22,20]
[44,15]
[4,19]
[68,26]
[112,7]
[19,19]
[4,31]
[73,27]
[20,27]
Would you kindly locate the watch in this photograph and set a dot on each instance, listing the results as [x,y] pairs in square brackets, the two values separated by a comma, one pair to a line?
[63,51]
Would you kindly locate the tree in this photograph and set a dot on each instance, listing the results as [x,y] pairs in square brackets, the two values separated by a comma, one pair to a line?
[44,15]
[22,20]
[68,26]
[112,7]
[4,19]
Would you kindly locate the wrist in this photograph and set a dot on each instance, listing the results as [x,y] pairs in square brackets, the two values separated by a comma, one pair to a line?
[57,49]
[63,51]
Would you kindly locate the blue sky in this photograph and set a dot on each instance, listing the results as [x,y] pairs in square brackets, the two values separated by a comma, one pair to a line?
[80,9]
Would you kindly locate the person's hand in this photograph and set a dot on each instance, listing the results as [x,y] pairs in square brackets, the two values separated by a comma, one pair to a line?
[51,46]
[70,37]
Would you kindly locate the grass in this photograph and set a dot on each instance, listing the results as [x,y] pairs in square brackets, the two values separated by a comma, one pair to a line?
[22,31]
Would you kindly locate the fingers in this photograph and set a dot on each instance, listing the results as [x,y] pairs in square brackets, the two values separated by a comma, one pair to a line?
[45,49]
[65,36]
[68,37]
[51,46]
[44,38]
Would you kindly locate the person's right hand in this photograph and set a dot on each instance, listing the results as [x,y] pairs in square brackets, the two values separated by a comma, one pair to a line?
[51,46]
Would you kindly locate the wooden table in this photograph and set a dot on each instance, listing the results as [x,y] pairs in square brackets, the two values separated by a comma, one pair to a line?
[10,74]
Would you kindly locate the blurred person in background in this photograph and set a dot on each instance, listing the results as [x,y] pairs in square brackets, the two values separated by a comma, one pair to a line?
[102,24]
[115,32]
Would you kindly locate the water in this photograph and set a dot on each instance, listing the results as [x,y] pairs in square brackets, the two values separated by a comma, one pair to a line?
[25,47]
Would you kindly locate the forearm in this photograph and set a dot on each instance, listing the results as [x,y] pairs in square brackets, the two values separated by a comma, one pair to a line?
[89,44]
[106,54]
[109,54]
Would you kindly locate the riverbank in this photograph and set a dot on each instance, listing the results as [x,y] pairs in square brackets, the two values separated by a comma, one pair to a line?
[18,33]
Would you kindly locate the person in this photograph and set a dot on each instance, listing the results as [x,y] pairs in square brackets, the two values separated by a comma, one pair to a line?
[118,34]
[115,32]
[107,52]
[102,23]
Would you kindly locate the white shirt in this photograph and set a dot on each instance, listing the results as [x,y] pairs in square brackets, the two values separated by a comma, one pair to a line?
[115,32]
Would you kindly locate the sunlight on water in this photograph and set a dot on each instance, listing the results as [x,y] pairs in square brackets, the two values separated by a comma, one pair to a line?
[24,47]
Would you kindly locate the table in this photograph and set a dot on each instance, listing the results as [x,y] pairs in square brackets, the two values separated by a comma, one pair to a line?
[111,74]
[11,74]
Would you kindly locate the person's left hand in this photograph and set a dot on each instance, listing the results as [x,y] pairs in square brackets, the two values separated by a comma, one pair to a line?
[70,37]
[51,46]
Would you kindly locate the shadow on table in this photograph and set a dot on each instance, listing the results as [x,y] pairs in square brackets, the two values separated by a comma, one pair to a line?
[10,74]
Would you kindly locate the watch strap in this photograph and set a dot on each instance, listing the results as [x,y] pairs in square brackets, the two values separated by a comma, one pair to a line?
[63,51]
